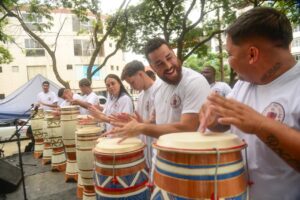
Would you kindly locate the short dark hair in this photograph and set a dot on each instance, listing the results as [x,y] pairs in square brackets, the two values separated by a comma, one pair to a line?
[85,82]
[46,83]
[132,68]
[262,22]
[154,44]
[60,92]
[151,74]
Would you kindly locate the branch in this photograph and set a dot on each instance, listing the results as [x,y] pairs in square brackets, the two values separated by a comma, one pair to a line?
[4,16]
[201,43]
[200,17]
[161,7]
[187,13]
[58,35]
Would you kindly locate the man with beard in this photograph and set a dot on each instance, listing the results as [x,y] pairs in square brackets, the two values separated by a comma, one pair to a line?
[178,99]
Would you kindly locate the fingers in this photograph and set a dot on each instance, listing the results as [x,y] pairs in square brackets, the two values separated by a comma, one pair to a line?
[122,139]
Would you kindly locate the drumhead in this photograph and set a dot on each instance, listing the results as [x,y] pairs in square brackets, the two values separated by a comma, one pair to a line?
[111,145]
[88,130]
[199,142]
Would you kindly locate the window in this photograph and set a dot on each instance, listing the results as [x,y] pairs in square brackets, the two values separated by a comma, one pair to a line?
[117,68]
[33,48]
[110,44]
[112,67]
[15,68]
[69,67]
[296,42]
[297,28]
[83,48]
[81,25]
[2,96]
[0,69]
[31,21]
[297,57]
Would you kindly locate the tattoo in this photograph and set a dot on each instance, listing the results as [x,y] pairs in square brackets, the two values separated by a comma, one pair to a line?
[271,72]
[273,142]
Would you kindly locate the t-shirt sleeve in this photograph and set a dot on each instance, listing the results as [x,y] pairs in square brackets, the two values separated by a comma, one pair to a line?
[196,93]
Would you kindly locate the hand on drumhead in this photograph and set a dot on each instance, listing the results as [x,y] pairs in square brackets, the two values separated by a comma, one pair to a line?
[207,117]
[130,129]
[232,112]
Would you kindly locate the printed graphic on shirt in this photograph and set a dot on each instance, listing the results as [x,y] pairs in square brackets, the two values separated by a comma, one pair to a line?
[275,111]
[175,101]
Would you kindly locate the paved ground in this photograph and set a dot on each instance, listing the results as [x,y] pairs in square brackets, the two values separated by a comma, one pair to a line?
[41,183]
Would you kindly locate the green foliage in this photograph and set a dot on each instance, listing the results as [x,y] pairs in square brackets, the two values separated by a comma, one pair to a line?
[5,56]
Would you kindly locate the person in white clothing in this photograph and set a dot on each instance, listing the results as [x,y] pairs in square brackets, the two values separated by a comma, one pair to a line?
[89,97]
[264,106]
[134,74]
[68,96]
[118,101]
[222,88]
[47,99]
[177,100]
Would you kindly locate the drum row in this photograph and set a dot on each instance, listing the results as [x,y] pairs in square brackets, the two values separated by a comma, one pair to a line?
[187,165]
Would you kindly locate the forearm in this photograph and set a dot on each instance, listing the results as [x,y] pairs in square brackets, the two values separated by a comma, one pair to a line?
[283,140]
[50,105]
[154,130]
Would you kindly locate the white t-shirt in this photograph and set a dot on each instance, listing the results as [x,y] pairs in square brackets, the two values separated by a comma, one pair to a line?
[92,98]
[273,178]
[48,98]
[171,101]
[113,105]
[145,106]
[67,103]
[221,88]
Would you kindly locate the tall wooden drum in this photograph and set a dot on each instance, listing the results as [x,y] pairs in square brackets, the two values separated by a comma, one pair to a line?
[68,119]
[49,121]
[86,139]
[83,122]
[37,131]
[199,166]
[58,158]
[120,169]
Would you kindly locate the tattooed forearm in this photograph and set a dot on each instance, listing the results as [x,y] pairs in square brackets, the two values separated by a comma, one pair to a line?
[273,142]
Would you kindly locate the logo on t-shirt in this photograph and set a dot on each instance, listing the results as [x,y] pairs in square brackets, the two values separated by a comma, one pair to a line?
[49,98]
[275,111]
[175,101]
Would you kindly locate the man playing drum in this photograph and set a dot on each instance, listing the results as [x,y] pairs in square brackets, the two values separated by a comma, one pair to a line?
[178,99]
[264,105]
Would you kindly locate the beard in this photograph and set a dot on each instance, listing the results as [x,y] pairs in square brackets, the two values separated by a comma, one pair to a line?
[175,80]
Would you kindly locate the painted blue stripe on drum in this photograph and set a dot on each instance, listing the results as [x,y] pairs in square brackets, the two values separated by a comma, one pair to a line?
[194,166]
[202,178]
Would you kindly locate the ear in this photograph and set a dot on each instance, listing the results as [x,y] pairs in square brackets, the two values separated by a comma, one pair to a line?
[253,54]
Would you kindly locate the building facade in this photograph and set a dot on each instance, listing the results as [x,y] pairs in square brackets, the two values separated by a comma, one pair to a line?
[73,53]
[295,47]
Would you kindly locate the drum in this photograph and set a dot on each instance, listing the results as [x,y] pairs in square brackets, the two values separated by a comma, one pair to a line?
[86,139]
[120,169]
[37,131]
[58,158]
[68,124]
[204,166]
[83,122]
[48,122]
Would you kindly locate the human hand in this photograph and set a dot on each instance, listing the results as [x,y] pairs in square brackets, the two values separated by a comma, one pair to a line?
[232,112]
[130,129]
[207,117]
[96,113]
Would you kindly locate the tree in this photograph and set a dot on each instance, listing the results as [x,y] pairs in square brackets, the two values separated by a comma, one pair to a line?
[36,9]
[81,9]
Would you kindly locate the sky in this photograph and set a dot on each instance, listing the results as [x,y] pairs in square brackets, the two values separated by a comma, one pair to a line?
[110,6]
